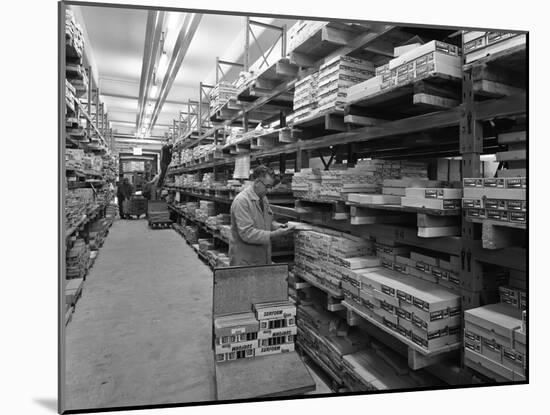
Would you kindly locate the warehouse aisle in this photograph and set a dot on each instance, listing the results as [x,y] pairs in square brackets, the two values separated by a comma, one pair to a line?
[140,334]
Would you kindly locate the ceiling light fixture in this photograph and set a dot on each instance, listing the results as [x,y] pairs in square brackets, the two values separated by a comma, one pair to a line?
[154,92]
[163,64]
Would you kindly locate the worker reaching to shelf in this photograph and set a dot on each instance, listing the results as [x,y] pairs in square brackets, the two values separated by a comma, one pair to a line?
[252,225]
[152,188]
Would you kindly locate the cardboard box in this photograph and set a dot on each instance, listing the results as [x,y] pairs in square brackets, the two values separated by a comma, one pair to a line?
[491,350]
[275,310]
[516,183]
[482,48]
[433,193]
[473,360]
[512,137]
[269,350]
[433,46]
[494,193]
[235,324]
[512,173]
[418,257]
[235,347]
[284,332]
[438,204]
[471,182]
[494,322]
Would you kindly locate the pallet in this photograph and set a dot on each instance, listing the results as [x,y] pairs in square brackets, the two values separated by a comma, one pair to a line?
[431,92]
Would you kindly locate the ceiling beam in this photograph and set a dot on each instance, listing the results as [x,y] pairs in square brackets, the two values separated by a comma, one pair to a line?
[180,49]
[151,48]
[129,97]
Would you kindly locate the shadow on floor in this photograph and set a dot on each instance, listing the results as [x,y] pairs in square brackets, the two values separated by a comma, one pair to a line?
[48,403]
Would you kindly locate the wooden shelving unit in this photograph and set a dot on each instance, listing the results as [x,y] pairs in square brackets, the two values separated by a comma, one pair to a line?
[410,125]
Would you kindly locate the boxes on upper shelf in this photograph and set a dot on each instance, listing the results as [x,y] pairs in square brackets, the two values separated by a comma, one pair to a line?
[480,44]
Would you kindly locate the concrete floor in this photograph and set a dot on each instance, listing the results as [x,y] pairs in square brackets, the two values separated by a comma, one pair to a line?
[141,333]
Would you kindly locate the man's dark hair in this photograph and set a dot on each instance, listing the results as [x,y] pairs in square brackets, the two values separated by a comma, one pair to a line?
[261,171]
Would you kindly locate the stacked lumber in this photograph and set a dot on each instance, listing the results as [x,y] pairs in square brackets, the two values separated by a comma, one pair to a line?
[220,94]
[324,257]
[432,57]
[336,76]
[78,202]
[495,340]
[77,259]
[327,339]
[393,176]
[73,33]
[379,368]
[301,31]
[480,44]
[305,97]
[306,184]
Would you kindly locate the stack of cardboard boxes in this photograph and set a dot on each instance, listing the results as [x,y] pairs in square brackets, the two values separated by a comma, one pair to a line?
[480,44]
[269,329]
[419,311]
[502,199]
[416,62]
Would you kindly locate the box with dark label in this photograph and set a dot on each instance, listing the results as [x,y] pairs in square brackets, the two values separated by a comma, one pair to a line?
[268,350]
[491,350]
[513,360]
[494,182]
[472,183]
[234,325]
[494,322]
[235,347]
[518,217]
[472,203]
[517,205]
[495,204]
[473,360]
[516,183]
[498,215]
[476,213]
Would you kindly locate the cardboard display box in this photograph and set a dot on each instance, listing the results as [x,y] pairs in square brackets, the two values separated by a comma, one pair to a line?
[437,204]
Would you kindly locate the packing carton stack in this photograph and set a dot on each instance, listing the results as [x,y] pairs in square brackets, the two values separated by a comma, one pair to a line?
[220,94]
[432,57]
[336,76]
[495,340]
[269,329]
[305,97]
[480,44]
[502,199]
[420,311]
[324,258]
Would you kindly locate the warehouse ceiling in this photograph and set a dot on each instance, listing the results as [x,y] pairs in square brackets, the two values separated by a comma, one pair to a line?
[115,45]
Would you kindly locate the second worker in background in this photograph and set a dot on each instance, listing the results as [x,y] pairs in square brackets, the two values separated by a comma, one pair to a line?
[252,225]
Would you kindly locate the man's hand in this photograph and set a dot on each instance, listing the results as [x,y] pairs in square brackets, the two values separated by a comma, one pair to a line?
[281,231]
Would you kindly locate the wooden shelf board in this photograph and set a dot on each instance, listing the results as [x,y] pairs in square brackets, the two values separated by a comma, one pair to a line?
[409,343]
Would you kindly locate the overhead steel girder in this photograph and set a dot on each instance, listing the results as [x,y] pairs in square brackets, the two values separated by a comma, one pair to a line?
[152,42]
[180,50]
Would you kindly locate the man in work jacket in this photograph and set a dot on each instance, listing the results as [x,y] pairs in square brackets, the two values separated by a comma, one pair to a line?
[252,225]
